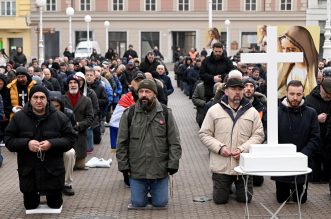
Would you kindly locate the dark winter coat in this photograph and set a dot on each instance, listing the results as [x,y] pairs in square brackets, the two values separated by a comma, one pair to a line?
[211,67]
[315,101]
[298,126]
[129,53]
[147,66]
[36,174]
[101,95]
[84,117]
[20,58]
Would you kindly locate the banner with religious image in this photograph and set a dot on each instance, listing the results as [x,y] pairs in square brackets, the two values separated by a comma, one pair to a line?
[298,39]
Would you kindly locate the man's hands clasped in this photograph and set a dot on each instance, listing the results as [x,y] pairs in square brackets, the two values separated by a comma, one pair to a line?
[36,146]
[226,152]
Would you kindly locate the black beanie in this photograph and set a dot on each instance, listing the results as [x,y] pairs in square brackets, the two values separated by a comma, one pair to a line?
[38,88]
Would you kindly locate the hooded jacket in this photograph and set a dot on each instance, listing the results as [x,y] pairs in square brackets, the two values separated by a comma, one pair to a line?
[298,126]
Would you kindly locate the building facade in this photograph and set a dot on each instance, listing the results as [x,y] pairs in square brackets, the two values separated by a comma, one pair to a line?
[167,24]
[14,26]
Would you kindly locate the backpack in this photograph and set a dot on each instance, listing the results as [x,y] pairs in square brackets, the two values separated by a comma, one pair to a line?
[133,107]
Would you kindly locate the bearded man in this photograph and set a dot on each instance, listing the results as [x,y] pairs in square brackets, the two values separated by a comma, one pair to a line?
[82,108]
[297,124]
[19,90]
[214,69]
[148,147]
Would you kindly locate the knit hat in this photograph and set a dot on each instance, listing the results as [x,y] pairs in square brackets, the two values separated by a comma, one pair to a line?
[250,80]
[38,88]
[21,71]
[148,84]
[73,77]
[234,82]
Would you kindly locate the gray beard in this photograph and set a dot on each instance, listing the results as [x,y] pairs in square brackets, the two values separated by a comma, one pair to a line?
[73,91]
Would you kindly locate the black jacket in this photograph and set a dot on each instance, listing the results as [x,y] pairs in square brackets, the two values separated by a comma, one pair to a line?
[46,172]
[211,67]
[298,126]
[147,66]
[315,101]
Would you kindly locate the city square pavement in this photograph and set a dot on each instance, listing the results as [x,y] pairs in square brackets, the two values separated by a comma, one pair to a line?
[101,192]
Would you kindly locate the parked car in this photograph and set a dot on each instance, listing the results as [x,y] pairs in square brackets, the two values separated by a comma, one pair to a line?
[84,49]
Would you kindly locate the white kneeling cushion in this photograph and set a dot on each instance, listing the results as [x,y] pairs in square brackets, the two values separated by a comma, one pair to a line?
[44,209]
[273,158]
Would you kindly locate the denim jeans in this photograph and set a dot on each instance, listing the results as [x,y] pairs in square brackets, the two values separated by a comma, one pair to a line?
[158,188]
[89,139]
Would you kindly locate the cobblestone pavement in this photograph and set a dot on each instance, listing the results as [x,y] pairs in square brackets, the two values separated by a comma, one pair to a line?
[101,193]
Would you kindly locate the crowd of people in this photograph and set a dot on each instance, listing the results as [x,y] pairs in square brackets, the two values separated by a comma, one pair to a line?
[83,96]
[131,96]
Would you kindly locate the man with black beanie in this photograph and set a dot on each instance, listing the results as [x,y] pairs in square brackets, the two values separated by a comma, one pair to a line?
[19,90]
[40,134]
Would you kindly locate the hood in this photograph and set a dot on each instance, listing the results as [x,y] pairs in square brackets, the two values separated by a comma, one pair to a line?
[83,90]
[285,106]
[57,96]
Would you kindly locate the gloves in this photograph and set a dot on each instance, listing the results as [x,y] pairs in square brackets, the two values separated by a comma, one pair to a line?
[172,171]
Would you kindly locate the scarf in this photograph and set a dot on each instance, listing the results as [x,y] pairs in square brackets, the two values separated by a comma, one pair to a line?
[74,98]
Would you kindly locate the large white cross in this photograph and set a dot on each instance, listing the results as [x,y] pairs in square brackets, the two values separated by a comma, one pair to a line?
[272,57]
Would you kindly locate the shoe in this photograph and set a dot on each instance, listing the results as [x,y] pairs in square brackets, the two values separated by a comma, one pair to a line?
[67,190]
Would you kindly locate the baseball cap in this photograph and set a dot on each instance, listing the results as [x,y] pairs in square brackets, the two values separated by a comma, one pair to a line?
[234,82]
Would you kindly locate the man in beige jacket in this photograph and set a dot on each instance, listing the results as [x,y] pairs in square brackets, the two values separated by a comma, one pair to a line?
[227,130]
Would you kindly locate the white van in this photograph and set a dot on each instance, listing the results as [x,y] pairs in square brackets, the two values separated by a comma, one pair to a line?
[82,49]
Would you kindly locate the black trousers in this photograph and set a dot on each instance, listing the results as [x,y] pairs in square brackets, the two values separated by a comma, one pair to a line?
[283,191]
[32,200]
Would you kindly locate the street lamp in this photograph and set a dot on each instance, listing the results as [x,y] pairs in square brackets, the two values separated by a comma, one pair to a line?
[70,12]
[88,19]
[227,24]
[327,34]
[106,23]
[41,4]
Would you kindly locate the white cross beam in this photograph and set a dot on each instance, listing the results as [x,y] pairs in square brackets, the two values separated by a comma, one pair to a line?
[272,57]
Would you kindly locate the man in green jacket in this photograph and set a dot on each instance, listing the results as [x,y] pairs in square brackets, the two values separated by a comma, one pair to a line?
[148,147]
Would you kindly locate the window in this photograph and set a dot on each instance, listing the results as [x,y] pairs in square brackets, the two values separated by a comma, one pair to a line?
[82,36]
[148,41]
[285,5]
[150,5]
[248,40]
[117,5]
[183,5]
[250,5]
[8,7]
[217,5]
[117,41]
[85,5]
[51,5]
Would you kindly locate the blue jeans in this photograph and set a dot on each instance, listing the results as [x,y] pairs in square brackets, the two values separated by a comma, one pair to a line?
[89,139]
[158,188]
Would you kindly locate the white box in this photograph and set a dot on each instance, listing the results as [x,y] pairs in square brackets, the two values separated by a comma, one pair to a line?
[297,162]
[272,149]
